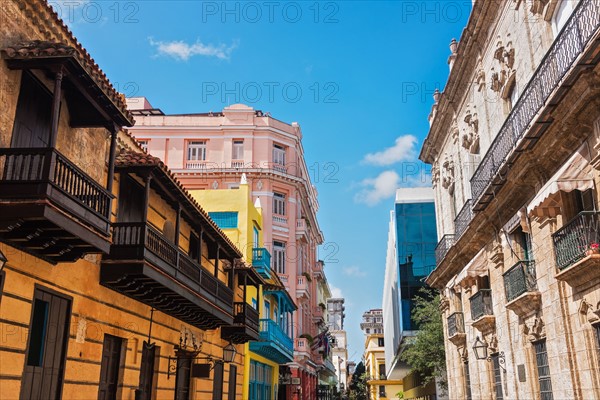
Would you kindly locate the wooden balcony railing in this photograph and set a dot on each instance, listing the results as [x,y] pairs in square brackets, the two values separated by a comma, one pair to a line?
[581,27]
[244,314]
[140,234]
[24,166]
[576,238]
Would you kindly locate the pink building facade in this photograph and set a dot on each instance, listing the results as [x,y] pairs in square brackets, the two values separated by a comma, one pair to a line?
[211,151]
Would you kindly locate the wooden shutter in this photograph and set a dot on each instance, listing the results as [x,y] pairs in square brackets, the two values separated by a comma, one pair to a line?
[231,391]
[218,381]
[47,346]
[109,369]
[33,117]
[147,371]
[182,378]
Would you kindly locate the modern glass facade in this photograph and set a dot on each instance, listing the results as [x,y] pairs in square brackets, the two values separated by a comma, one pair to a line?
[416,237]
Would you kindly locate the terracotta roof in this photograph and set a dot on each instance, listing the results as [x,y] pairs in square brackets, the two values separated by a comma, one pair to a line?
[129,158]
[40,10]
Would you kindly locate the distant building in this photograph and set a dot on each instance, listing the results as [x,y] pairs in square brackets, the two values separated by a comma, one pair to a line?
[410,258]
[336,314]
[380,387]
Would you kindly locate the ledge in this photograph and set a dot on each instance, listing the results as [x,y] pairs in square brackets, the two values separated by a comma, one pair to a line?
[585,271]
[526,304]
[485,324]
[459,339]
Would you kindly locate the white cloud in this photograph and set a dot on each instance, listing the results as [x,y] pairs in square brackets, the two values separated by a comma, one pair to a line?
[354,271]
[402,150]
[379,188]
[336,292]
[180,50]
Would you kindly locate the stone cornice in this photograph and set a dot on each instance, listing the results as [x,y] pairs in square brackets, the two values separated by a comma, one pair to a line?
[462,74]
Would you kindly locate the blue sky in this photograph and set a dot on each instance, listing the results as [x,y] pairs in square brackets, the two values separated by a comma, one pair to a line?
[358,77]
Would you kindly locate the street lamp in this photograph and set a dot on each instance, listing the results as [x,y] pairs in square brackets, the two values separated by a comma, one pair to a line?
[480,349]
[229,352]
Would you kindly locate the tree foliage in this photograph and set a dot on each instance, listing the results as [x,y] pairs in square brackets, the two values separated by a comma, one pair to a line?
[358,389]
[425,352]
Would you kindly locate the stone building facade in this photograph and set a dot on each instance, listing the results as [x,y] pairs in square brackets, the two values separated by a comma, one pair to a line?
[514,149]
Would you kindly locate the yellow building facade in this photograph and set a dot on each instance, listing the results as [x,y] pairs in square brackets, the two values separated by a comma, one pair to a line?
[380,388]
[241,219]
[117,283]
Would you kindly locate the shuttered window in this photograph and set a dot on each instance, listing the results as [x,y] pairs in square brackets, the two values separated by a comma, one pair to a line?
[541,358]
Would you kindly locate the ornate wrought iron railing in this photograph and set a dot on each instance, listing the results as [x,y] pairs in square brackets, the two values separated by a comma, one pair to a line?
[519,279]
[442,248]
[481,304]
[568,46]
[576,238]
[456,324]
[463,219]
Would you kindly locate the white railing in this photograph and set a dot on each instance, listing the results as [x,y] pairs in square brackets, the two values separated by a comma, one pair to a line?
[280,220]
[196,164]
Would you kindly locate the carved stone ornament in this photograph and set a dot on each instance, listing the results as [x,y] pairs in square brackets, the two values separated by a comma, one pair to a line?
[480,75]
[448,173]
[444,303]
[505,56]
[497,255]
[435,174]
[454,131]
[470,138]
[463,353]
[538,6]
[493,344]
[537,331]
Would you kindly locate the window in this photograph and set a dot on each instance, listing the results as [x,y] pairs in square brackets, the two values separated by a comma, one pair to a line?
[541,358]
[261,379]
[368,330]
[279,203]
[278,155]
[381,371]
[497,377]
[225,219]
[597,329]
[147,371]
[196,150]
[561,15]
[279,257]
[522,241]
[143,144]
[382,393]
[380,342]
[467,381]
[255,237]
[183,375]
[237,150]
[513,96]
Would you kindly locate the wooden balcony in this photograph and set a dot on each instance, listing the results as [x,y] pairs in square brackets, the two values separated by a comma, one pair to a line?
[245,324]
[144,265]
[51,208]
[274,344]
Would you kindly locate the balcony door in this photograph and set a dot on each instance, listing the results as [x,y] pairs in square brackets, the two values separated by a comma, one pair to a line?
[131,200]
[109,370]
[46,346]
[33,117]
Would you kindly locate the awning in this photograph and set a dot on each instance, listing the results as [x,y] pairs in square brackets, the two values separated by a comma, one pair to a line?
[478,266]
[575,174]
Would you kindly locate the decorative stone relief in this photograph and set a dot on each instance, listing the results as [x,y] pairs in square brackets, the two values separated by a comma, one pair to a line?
[435,174]
[538,6]
[497,256]
[444,303]
[505,56]
[454,131]
[448,173]
[470,138]
[463,353]
[480,75]
[537,330]
[493,344]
